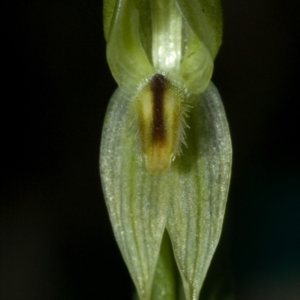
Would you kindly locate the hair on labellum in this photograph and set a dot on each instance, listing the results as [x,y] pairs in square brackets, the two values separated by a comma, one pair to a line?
[160,108]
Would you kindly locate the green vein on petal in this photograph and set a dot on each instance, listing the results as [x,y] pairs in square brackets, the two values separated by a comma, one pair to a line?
[137,201]
[200,187]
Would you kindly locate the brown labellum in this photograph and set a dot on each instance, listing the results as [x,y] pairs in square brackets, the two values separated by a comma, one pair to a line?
[160,108]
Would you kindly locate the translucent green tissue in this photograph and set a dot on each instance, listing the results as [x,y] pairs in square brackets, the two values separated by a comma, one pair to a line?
[177,40]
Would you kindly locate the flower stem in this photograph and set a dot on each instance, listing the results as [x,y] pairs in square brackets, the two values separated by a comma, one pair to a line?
[166,274]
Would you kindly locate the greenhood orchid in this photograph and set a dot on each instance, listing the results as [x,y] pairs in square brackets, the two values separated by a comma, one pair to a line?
[165,158]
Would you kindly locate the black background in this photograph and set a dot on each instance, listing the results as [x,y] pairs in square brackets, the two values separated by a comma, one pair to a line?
[56,241]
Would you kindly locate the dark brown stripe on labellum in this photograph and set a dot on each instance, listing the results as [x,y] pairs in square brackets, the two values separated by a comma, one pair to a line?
[158,85]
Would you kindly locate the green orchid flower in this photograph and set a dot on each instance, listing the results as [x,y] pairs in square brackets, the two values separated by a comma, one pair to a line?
[165,158]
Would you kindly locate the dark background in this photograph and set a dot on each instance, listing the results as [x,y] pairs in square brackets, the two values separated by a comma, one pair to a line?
[56,241]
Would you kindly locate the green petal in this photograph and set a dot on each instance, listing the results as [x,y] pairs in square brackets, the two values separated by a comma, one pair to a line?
[137,201]
[197,63]
[145,25]
[108,12]
[126,56]
[200,188]
[205,19]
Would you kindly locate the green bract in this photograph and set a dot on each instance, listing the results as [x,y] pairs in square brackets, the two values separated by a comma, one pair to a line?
[165,157]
